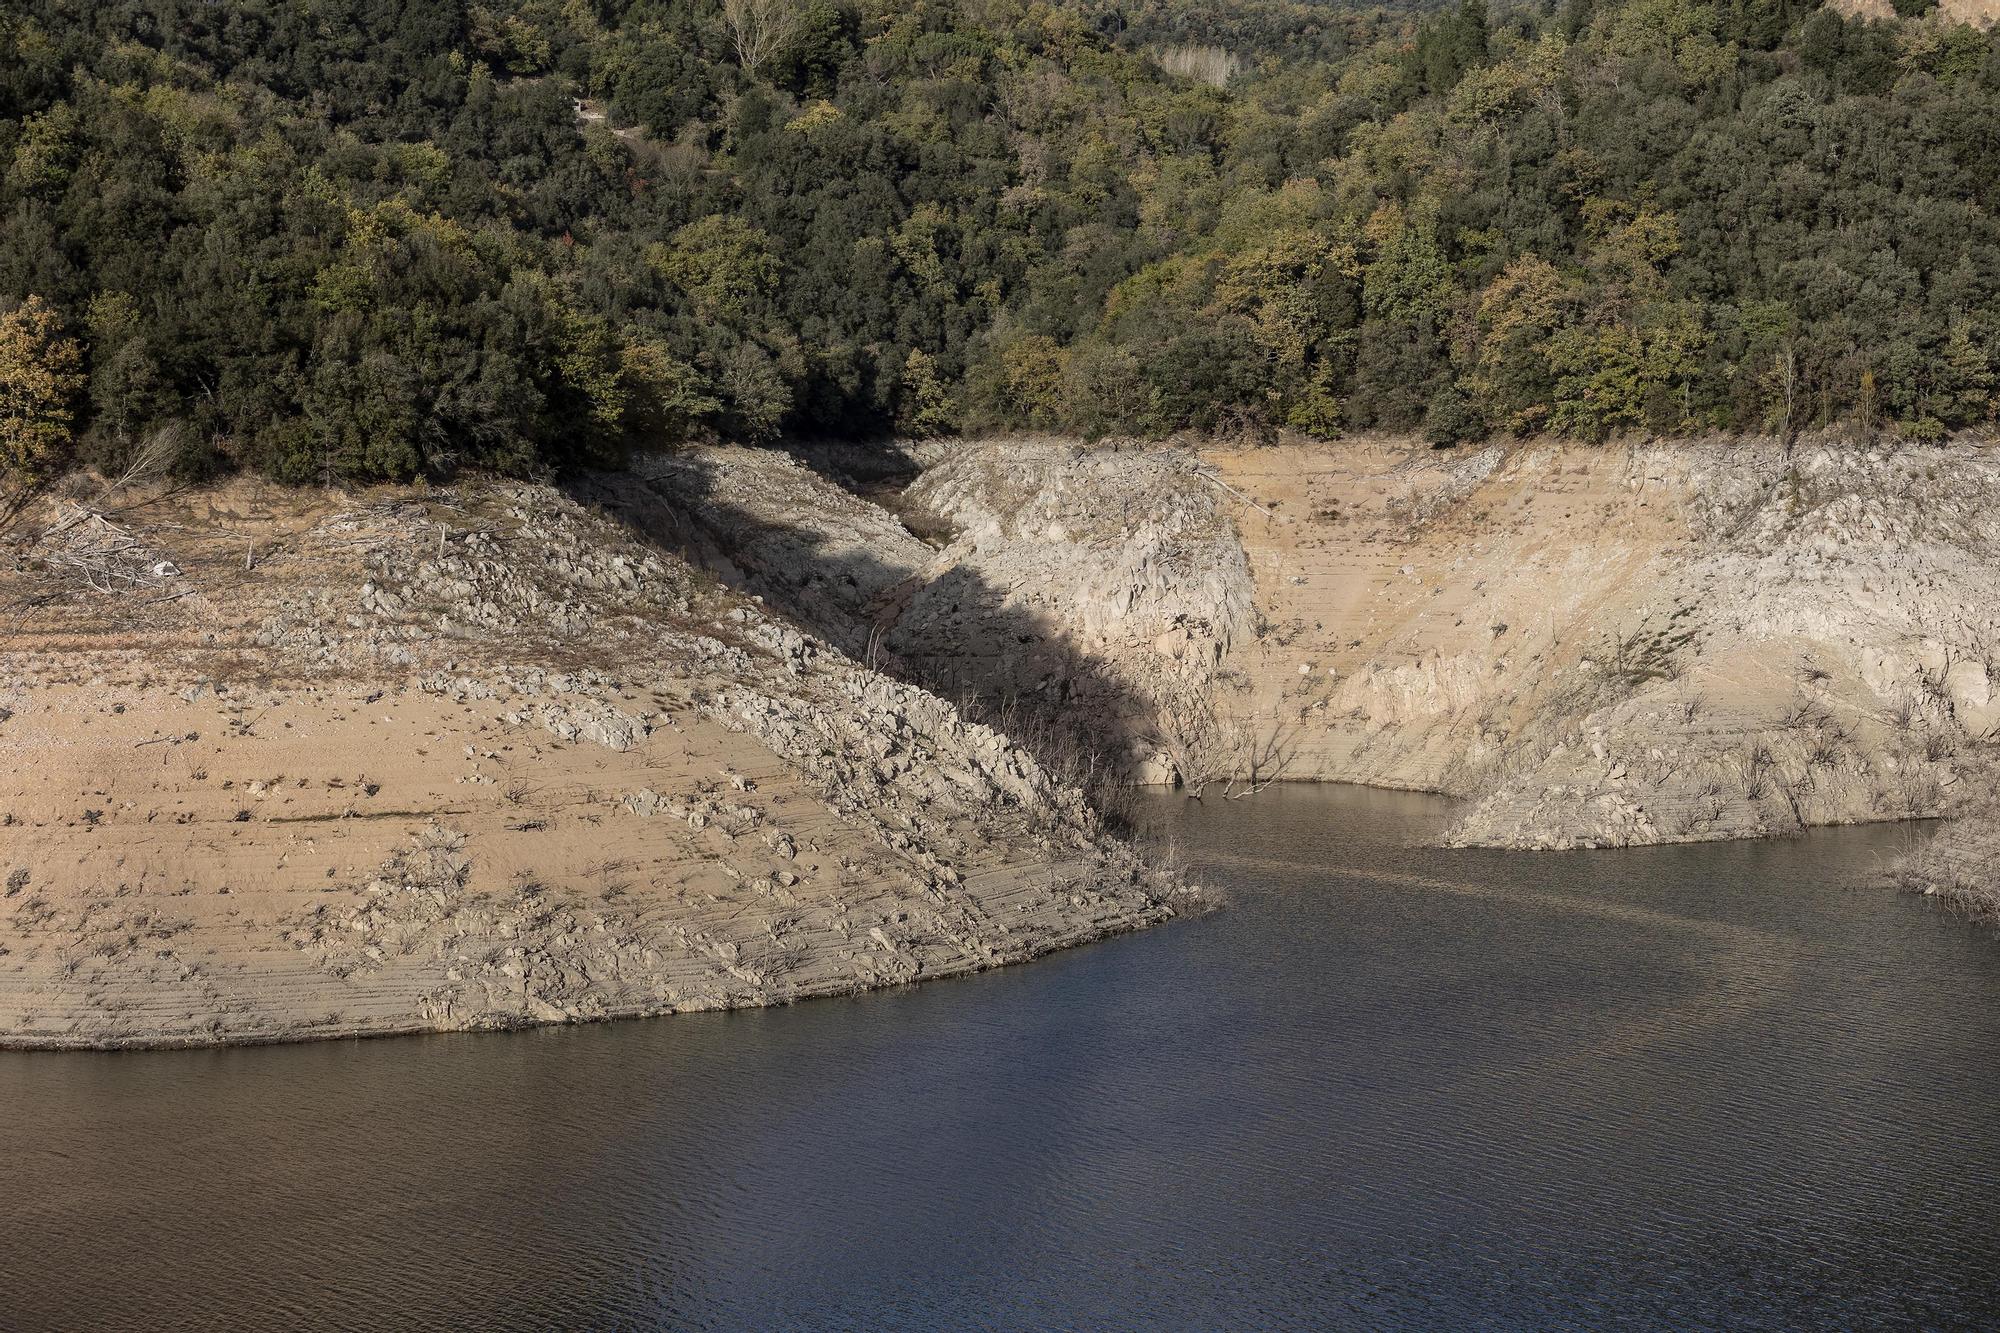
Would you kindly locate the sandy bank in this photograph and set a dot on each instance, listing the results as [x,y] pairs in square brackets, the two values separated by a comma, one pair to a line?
[278,765]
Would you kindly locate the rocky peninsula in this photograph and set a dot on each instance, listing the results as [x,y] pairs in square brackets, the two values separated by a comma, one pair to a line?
[279,765]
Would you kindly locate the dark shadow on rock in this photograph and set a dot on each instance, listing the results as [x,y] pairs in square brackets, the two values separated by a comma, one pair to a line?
[870,468]
[1000,664]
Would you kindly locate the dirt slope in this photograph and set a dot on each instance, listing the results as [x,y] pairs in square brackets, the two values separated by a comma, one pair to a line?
[277,765]
[1638,645]
[1602,646]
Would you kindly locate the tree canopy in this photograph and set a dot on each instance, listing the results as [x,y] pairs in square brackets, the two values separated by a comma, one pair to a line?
[384,238]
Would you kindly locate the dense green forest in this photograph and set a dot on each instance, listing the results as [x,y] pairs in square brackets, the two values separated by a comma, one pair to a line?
[382,238]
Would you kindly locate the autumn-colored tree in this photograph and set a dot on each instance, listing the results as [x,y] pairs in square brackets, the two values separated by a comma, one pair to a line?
[1296,288]
[48,150]
[1300,291]
[1103,390]
[591,368]
[411,241]
[1510,379]
[128,390]
[41,374]
[1409,280]
[1033,368]
[1965,377]
[723,263]
[665,400]
[924,407]
[1613,376]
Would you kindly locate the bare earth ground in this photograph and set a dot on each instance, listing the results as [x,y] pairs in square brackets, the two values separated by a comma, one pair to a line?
[277,765]
[1600,646]
[1622,646]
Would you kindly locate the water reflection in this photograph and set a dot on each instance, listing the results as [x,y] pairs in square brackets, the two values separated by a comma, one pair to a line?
[1714,1085]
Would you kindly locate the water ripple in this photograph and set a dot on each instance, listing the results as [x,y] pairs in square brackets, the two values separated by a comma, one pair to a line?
[1391,1087]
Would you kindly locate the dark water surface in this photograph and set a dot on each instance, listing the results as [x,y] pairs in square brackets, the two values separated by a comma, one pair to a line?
[1714,1086]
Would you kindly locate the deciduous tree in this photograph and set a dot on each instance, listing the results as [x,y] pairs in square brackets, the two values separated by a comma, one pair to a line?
[41,374]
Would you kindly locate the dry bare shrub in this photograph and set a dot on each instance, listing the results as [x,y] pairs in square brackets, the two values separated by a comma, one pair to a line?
[1918,791]
[1960,867]
[1905,711]
[154,457]
[1754,767]
[1074,755]
[1199,746]
[1826,747]
[1212,65]
[760,29]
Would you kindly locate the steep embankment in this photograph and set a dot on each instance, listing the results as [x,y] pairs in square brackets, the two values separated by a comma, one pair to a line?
[274,766]
[1090,586]
[1599,646]
[1609,647]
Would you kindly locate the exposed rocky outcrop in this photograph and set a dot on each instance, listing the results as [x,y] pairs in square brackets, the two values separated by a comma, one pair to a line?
[1814,651]
[1078,593]
[1106,584]
[766,524]
[274,766]
[1597,646]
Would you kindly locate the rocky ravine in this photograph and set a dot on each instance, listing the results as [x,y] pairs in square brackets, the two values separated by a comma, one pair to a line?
[276,766]
[1598,646]
[1083,587]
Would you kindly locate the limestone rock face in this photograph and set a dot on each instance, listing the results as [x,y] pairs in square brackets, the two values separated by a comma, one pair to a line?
[1597,646]
[1110,580]
[1093,592]
[1970,690]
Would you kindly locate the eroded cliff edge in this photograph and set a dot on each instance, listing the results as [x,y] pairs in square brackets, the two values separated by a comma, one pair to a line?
[277,765]
[1596,646]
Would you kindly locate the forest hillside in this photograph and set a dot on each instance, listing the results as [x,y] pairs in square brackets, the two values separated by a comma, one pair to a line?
[390,238]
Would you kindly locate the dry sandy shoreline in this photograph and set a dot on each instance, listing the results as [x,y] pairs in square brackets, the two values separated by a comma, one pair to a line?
[278,766]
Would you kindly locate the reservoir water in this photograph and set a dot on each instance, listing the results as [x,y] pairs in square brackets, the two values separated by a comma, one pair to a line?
[1723,1086]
